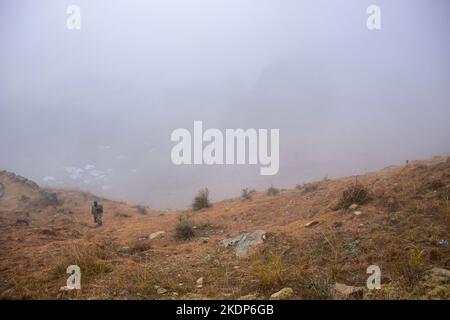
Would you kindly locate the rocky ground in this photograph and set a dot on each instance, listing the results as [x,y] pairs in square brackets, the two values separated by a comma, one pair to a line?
[315,241]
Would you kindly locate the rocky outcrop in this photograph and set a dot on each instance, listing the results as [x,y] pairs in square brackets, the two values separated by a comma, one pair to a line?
[246,242]
[16,178]
[29,194]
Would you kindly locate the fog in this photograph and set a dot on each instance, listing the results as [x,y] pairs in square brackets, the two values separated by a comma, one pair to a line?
[94,108]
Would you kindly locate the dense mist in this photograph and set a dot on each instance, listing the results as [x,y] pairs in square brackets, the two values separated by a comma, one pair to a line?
[94,108]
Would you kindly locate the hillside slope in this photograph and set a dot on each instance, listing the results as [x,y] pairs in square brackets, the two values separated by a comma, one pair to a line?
[313,240]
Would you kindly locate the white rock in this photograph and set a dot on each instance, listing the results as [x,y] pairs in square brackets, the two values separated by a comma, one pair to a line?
[311,224]
[343,292]
[156,235]
[283,294]
[245,242]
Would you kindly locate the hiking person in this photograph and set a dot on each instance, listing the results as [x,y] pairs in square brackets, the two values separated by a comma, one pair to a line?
[97,212]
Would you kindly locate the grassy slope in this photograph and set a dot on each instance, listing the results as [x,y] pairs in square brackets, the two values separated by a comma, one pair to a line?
[398,230]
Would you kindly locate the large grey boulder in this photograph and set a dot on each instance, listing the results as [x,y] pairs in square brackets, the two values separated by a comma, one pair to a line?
[245,242]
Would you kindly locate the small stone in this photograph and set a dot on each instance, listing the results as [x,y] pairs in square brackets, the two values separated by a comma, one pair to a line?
[204,239]
[283,294]
[124,249]
[156,235]
[311,224]
[161,290]
[441,272]
[353,206]
[199,282]
[127,295]
[65,288]
[357,213]
[343,292]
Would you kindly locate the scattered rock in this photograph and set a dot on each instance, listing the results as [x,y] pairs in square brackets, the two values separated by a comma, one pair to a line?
[311,224]
[436,283]
[357,213]
[2,190]
[283,294]
[66,289]
[143,237]
[157,235]
[245,242]
[125,249]
[199,282]
[441,272]
[128,296]
[353,206]
[343,292]
[443,242]
[204,239]
[161,290]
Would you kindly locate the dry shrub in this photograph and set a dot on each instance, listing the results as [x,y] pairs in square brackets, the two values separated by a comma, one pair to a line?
[201,200]
[272,191]
[142,209]
[356,193]
[310,187]
[139,246]
[246,194]
[184,230]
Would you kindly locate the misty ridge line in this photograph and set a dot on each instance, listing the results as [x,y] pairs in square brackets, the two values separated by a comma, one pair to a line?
[235,151]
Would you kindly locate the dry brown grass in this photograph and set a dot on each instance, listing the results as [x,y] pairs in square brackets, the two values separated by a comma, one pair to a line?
[398,230]
[354,194]
[184,230]
[91,260]
[269,271]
